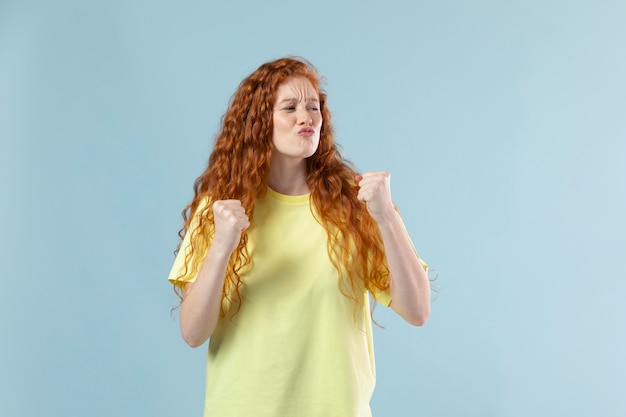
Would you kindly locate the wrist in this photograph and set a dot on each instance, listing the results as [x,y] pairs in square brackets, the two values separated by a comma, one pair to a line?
[390,224]
[385,217]
[222,248]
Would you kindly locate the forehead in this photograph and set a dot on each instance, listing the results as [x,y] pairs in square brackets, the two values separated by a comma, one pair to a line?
[296,88]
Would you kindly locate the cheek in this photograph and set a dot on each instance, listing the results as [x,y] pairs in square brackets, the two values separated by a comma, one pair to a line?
[279,124]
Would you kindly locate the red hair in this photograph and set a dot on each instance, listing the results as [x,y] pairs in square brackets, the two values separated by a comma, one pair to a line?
[239,166]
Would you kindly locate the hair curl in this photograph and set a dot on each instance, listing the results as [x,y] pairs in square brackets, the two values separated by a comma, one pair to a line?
[239,166]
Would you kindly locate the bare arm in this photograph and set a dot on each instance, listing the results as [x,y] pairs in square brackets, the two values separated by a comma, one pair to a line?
[409,284]
[200,308]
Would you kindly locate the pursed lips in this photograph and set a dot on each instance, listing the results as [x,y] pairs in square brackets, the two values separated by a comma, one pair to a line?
[307,131]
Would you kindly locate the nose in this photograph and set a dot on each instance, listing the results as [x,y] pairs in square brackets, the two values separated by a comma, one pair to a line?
[304,118]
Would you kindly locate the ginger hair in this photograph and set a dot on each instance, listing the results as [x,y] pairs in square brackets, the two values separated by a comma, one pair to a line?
[239,166]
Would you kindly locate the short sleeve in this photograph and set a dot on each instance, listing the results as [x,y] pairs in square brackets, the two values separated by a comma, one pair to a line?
[178,276]
[382,297]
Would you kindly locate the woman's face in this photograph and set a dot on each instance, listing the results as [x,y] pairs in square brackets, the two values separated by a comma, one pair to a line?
[297,119]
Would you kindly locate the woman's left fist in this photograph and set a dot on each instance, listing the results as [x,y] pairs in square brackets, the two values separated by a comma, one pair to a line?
[375,192]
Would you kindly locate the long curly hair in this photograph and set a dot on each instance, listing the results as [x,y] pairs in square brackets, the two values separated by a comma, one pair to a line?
[239,166]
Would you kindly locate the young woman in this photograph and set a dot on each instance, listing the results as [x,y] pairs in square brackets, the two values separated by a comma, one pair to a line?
[281,245]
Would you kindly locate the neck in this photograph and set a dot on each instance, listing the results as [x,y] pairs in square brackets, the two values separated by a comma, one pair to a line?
[288,177]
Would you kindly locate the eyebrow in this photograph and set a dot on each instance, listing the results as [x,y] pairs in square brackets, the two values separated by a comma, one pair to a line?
[295,100]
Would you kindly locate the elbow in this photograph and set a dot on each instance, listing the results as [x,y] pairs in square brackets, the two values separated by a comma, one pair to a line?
[192,341]
[193,332]
[420,321]
[418,318]
[415,315]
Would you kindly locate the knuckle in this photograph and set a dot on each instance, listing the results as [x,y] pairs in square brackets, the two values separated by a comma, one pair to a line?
[217,205]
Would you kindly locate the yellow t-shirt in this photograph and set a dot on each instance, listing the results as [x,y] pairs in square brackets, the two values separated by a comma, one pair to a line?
[297,346]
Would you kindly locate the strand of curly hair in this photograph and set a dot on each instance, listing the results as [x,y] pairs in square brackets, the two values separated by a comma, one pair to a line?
[239,166]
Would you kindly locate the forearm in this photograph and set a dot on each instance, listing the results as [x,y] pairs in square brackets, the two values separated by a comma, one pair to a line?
[200,308]
[409,284]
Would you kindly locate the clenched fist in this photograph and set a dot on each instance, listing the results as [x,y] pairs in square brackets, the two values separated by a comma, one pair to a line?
[375,192]
[230,220]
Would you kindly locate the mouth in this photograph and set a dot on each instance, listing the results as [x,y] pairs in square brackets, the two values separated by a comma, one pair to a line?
[307,131]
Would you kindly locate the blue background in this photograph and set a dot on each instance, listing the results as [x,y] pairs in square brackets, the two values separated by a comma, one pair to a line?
[503,125]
